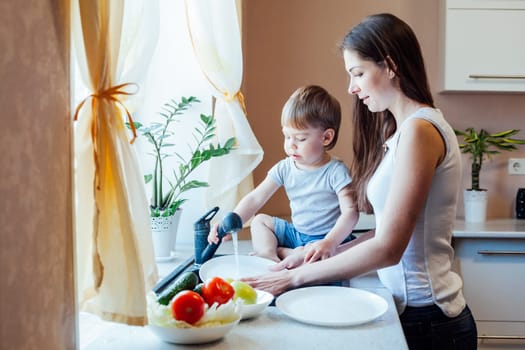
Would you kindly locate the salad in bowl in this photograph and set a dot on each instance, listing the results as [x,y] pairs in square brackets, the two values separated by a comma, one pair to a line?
[187,312]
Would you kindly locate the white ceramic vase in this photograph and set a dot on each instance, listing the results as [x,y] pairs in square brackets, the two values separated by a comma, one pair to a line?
[164,234]
[475,205]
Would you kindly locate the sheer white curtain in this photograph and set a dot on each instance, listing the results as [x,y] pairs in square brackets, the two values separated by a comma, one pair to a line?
[215,34]
[114,253]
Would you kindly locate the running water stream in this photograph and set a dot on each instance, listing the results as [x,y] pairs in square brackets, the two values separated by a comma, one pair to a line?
[235,240]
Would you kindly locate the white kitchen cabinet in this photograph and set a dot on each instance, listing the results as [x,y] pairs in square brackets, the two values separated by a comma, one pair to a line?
[483,45]
[493,272]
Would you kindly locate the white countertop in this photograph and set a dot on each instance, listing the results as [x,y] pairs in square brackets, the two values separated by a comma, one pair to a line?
[496,228]
[272,329]
[492,228]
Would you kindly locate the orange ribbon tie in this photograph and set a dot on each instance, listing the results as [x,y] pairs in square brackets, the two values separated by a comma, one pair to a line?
[110,94]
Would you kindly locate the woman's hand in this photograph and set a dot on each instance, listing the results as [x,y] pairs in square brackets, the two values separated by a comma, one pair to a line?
[291,260]
[274,282]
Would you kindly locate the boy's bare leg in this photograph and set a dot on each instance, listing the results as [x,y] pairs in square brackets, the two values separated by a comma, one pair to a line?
[283,252]
[263,238]
[291,258]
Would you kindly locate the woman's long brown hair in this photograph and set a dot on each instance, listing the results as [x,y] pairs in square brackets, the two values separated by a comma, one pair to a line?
[385,40]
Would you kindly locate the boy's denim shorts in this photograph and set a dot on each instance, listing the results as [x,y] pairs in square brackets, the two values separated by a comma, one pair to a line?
[288,237]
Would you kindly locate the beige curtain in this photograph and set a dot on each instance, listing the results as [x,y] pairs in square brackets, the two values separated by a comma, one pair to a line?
[114,251]
[215,34]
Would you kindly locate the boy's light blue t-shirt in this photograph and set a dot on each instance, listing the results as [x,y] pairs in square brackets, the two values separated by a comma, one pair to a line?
[312,193]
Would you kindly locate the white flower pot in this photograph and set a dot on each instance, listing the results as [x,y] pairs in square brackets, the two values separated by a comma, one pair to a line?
[475,205]
[164,234]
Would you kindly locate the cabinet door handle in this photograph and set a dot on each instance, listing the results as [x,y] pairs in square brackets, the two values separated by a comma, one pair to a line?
[501,252]
[495,76]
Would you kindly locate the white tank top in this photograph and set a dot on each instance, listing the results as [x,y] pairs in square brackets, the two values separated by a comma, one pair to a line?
[423,276]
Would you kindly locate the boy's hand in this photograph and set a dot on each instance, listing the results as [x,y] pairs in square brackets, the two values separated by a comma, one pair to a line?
[319,250]
[213,236]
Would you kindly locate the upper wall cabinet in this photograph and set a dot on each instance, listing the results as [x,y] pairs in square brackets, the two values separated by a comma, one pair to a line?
[483,45]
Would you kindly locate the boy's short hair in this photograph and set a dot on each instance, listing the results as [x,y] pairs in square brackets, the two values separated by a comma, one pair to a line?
[312,106]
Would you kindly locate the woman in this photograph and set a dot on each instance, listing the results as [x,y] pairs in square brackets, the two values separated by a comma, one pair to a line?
[406,171]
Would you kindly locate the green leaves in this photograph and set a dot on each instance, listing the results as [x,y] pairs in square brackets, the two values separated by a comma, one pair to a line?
[162,136]
[481,145]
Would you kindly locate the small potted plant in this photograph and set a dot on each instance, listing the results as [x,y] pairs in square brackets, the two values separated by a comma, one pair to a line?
[481,145]
[168,185]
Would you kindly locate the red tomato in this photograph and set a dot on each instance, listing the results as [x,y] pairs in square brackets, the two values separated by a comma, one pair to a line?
[217,290]
[188,306]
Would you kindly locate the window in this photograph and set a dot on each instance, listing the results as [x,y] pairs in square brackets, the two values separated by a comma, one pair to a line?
[173,73]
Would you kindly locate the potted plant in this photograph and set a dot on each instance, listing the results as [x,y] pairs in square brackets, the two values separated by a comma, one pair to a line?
[168,185]
[481,145]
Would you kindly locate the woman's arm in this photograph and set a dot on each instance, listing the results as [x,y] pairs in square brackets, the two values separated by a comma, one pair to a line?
[419,152]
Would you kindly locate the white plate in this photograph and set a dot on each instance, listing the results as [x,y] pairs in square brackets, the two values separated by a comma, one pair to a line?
[331,306]
[226,267]
[194,335]
[252,310]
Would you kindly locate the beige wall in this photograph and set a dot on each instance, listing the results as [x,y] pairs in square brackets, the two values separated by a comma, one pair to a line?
[294,42]
[37,302]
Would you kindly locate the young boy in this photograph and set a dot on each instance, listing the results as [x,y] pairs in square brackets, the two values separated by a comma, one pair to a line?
[316,184]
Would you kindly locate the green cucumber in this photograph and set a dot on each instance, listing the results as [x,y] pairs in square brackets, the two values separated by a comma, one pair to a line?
[186,281]
[198,288]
